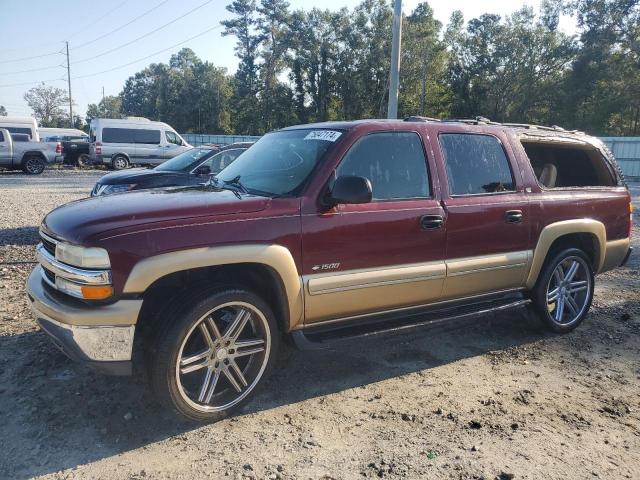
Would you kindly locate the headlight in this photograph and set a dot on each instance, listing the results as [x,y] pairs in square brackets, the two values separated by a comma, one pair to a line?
[84,257]
[109,189]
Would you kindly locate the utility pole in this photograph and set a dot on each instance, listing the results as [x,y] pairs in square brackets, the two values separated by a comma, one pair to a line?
[103,94]
[394,73]
[69,83]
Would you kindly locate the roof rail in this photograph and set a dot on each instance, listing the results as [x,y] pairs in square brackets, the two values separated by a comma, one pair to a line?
[480,120]
[418,118]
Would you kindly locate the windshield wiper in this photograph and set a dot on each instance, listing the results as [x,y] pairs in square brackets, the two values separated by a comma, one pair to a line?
[215,183]
[236,183]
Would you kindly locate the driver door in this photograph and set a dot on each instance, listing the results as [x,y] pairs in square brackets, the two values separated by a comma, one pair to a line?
[384,255]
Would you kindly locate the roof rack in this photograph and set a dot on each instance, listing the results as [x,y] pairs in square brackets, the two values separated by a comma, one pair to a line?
[480,120]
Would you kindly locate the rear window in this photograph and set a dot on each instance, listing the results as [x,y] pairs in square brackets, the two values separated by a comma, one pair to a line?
[568,165]
[476,164]
[19,130]
[130,135]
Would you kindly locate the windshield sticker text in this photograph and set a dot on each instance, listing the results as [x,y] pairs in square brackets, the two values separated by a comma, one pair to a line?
[326,135]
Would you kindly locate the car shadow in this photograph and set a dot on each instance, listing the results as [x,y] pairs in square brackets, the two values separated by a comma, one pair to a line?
[83,417]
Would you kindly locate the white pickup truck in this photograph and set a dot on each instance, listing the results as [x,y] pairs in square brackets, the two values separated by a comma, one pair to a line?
[30,157]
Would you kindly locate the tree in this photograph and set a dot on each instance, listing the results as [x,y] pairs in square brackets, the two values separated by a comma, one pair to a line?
[46,103]
[3,111]
[109,107]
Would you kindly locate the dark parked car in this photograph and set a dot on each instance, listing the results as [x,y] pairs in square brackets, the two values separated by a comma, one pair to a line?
[192,167]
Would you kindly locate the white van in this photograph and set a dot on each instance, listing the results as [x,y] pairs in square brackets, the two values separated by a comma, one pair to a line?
[120,143]
[27,125]
[60,134]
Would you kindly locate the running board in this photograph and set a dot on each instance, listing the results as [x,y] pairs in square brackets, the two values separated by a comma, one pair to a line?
[393,323]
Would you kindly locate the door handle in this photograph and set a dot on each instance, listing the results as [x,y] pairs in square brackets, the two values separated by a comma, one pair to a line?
[431,222]
[513,216]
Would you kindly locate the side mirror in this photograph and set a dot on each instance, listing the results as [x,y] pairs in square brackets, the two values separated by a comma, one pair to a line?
[350,189]
[203,170]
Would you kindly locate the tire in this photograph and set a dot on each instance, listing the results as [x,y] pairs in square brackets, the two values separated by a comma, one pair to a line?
[82,160]
[33,165]
[202,387]
[570,291]
[119,162]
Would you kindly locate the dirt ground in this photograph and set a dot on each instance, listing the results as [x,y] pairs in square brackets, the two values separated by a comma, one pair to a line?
[498,397]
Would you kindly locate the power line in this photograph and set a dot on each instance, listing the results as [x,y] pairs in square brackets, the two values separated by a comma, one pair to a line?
[151,55]
[33,70]
[32,83]
[97,20]
[121,26]
[31,58]
[143,36]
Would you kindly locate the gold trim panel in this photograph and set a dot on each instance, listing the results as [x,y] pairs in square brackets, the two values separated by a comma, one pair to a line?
[615,251]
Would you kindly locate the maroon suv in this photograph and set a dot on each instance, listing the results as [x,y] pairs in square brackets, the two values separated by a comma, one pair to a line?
[324,232]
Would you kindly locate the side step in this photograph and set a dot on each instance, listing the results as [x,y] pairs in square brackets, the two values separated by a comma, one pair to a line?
[392,323]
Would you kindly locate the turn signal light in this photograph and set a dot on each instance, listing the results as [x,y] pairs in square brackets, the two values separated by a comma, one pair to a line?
[631,208]
[96,292]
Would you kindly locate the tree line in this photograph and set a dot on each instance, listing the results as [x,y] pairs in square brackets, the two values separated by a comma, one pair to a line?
[300,66]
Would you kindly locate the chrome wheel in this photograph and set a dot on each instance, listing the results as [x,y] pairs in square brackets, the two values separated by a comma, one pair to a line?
[569,290]
[223,356]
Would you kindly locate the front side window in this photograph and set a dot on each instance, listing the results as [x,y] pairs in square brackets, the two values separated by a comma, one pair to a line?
[476,164]
[173,138]
[394,163]
[280,162]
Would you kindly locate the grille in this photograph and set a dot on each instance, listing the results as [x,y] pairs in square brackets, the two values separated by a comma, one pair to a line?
[48,245]
[50,275]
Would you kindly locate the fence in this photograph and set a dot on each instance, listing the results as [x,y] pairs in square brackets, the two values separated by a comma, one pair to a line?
[625,149]
[202,138]
[627,153]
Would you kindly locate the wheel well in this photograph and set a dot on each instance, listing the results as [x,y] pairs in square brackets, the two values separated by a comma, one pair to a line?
[120,154]
[33,154]
[587,242]
[259,278]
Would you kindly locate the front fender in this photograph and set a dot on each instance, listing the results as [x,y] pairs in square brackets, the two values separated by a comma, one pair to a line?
[277,257]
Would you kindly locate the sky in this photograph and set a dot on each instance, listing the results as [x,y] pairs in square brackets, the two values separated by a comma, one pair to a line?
[105,35]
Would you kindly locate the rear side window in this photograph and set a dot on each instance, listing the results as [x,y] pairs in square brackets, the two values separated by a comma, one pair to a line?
[476,164]
[117,135]
[394,162]
[19,130]
[566,165]
[147,136]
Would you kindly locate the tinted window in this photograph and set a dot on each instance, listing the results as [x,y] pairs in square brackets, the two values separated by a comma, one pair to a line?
[394,162]
[475,164]
[147,136]
[1,137]
[117,135]
[19,130]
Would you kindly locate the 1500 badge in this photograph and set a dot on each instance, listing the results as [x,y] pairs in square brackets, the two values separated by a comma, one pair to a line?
[325,266]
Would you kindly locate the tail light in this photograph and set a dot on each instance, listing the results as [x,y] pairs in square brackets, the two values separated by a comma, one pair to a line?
[58,147]
[630,219]
[98,148]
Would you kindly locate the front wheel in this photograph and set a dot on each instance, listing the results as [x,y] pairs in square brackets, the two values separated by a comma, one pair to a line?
[119,162]
[564,291]
[209,360]
[33,165]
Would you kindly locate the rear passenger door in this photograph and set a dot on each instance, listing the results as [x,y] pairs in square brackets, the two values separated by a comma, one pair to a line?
[5,151]
[149,149]
[382,255]
[488,226]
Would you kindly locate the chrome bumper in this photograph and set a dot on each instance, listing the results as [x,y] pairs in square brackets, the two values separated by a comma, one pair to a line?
[100,336]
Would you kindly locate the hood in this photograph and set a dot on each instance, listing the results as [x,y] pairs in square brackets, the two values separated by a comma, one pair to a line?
[133,175]
[80,220]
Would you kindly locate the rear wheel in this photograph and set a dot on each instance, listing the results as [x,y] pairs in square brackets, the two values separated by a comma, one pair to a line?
[211,359]
[119,162]
[564,291]
[33,165]
[82,160]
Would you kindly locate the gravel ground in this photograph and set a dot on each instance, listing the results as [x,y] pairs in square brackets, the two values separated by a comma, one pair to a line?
[499,398]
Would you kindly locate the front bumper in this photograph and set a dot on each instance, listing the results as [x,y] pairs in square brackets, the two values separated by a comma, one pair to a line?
[99,336]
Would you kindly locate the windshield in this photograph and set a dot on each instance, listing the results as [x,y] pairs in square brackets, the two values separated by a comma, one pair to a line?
[281,161]
[186,161]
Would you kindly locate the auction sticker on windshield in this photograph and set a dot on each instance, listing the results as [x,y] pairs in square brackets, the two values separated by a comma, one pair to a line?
[326,135]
